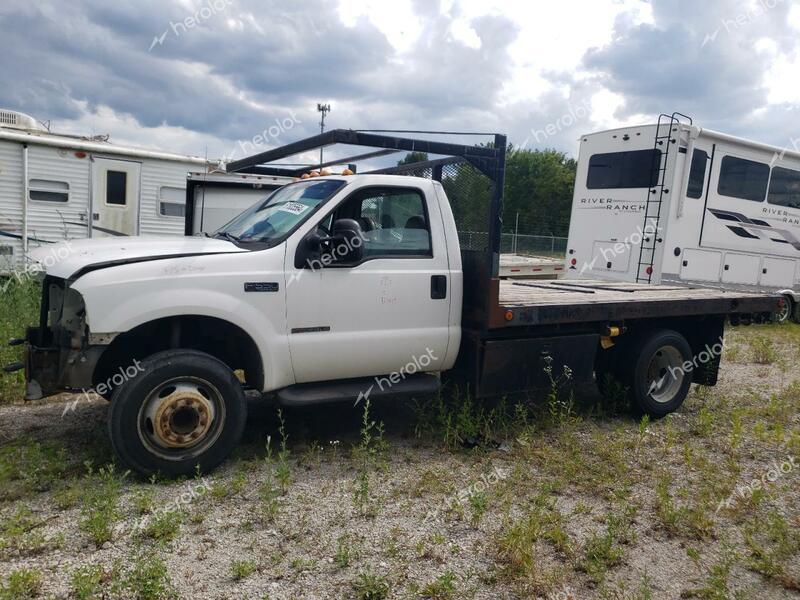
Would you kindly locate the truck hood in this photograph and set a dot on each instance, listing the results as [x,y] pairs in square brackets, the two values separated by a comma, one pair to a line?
[73,257]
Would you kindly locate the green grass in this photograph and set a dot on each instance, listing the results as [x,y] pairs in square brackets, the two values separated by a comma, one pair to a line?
[242,569]
[21,585]
[19,308]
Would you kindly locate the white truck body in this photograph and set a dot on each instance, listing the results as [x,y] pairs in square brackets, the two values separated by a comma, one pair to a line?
[729,216]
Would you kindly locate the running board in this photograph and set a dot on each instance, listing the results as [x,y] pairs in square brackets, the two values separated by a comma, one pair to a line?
[353,390]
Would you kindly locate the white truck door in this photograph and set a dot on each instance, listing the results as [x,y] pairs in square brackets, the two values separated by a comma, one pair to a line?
[115,197]
[389,314]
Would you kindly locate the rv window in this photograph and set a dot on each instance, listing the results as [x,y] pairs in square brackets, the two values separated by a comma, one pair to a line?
[620,170]
[745,179]
[44,190]
[697,174]
[784,189]
[172,202]
[116,185]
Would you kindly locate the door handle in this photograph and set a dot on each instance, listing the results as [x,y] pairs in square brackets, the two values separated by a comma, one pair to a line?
[438,287]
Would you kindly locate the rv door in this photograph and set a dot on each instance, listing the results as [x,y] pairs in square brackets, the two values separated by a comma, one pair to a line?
[115,197]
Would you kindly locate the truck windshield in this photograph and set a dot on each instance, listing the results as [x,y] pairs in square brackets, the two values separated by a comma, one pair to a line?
[282,211]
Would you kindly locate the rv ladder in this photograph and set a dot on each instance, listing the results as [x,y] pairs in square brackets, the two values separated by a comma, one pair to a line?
[667,135]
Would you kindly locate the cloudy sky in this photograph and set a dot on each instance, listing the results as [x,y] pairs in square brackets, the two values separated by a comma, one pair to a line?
[201,76]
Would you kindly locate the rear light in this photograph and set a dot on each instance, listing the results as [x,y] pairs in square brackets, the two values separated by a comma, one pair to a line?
[574,262]
[649,270]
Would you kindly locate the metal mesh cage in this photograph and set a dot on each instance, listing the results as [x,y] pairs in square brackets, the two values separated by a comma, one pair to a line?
[469,192]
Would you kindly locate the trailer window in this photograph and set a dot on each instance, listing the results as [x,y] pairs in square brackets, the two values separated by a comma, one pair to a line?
[697,174]
[784,188]
[623,170]
[45,190]
[745,179]
[116,186]
[172,202]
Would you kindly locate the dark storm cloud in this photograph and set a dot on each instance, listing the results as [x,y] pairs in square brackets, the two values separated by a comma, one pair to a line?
[698,58]
[231,71]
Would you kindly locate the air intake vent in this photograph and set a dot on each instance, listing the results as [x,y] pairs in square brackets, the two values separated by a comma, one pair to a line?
[18,120]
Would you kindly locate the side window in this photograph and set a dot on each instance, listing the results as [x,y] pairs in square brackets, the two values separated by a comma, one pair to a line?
[624,170]
[784,188]
[45,190]
[116,187]
[697,174]
[394,221]
[171,202]
[745,179]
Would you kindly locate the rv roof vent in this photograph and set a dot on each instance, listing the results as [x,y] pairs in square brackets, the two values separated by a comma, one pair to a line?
[18,120]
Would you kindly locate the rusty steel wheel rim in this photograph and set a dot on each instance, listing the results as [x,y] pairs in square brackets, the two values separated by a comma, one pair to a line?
[181,418]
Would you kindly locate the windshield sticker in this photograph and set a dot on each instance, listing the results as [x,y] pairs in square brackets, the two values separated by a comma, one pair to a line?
[294,208]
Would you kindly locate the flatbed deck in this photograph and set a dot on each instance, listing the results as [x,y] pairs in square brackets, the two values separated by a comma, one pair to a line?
[568,301]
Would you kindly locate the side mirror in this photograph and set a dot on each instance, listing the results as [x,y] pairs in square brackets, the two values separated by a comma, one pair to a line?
[347,242]
[345,245]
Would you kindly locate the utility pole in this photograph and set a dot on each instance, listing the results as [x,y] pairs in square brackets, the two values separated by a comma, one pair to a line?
[324,109]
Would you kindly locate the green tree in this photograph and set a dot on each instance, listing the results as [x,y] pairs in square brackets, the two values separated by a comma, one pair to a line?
[413,157]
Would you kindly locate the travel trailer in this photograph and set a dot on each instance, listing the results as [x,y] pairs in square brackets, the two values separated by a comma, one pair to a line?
[55,187]
[674,203]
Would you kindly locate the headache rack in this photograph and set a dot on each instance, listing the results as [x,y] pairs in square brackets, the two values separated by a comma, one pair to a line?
[473,176]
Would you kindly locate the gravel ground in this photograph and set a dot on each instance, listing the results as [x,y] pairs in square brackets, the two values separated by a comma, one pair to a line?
[596,504]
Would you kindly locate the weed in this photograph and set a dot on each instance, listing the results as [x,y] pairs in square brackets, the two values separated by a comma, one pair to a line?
[342,558]
[771,542]
[87,581]
[100,510]
[441,588]
[148,579]
[29,467]
[164,525]
[242,569]
[366,454]
[283,472]
[369,586]
[763,350]
[21,584]
[478,502]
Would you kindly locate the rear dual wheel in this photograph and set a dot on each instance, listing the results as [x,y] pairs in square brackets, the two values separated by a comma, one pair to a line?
[184,412]
[651,368]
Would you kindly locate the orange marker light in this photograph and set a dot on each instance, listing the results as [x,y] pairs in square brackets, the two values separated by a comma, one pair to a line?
[509,315]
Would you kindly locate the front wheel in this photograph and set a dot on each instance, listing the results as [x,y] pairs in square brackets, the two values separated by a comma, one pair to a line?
[660,372]
[185,411]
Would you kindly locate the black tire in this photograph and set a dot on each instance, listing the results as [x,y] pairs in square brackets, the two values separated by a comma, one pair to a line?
[184,410]
[658,383]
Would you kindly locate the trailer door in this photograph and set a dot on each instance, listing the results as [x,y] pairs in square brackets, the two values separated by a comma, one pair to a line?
[115,197]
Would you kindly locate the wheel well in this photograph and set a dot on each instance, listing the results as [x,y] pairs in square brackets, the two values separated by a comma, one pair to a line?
[217,337]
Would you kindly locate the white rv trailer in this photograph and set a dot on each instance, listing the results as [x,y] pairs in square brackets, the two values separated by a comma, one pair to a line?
[672,202]
[55,187]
